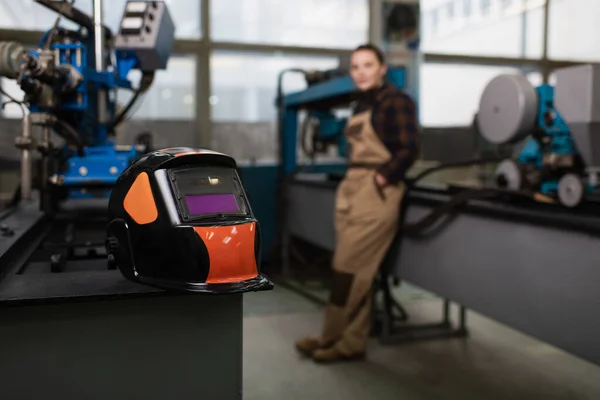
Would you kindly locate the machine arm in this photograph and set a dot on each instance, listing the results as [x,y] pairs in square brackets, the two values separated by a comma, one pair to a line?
[69,11]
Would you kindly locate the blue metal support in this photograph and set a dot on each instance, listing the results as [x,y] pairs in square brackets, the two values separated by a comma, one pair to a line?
[68,91]
[321,98]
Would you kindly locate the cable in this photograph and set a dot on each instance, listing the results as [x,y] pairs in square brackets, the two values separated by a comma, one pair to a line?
[145,83]
[12,99]
[137,105]
[68,133]
[458,200]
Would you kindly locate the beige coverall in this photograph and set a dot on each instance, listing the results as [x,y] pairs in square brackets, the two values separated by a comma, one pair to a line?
[366,219]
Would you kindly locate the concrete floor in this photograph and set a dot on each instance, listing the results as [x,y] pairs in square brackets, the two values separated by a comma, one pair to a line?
[495,362]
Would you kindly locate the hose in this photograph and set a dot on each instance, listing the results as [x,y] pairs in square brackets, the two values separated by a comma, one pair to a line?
[429,220]
[67,132]
[460,199]
[145,83]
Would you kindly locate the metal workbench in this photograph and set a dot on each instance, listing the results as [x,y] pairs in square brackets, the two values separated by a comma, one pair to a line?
[84,331]
[531,266]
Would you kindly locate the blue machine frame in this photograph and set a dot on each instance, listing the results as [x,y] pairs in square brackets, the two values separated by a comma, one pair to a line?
[561,141]
[101,162]
[322,98]
[76,80]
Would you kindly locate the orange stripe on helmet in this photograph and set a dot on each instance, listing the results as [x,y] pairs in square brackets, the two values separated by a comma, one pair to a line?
[139,201]
[231,252]
[187,153]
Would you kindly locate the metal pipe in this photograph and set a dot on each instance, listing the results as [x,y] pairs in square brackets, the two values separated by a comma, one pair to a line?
[68,11]
[26,177]
[45,157]
[545,65]
[98,36]
[100,59]
[78,62]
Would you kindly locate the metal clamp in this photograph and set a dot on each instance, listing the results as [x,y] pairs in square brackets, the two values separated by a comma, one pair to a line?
[25,143]
[42,119]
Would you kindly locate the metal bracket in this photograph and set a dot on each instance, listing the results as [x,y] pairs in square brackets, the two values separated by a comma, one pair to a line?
[25,143]
[42,119]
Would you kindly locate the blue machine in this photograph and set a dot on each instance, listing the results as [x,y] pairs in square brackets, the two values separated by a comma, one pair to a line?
[70,85]
[319,100]
[554,138]
[555,157]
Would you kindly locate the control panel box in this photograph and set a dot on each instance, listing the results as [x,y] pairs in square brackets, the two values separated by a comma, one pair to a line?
[148,32]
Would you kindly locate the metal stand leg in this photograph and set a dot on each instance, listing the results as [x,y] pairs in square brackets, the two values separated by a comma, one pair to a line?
[394,330]
[446,315]
[58,261]
[393,306]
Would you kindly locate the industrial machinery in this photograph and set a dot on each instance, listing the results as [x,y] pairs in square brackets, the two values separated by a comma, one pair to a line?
[180,219]
[559,153]
[70,83]
[319,100]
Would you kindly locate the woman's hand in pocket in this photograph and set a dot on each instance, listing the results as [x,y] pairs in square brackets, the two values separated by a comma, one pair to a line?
[381,181]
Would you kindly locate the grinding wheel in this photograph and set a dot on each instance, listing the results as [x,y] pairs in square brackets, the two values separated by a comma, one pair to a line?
[507,109]
[508,175]
[570,190]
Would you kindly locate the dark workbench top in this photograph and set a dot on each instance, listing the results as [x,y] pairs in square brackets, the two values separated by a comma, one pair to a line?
[27,279]
[585,218]
[70,286]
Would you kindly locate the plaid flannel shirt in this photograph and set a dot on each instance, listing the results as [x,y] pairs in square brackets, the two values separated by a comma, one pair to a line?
[394,119]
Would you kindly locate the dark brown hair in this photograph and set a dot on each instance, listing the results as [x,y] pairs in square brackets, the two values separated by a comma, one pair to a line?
[372,48]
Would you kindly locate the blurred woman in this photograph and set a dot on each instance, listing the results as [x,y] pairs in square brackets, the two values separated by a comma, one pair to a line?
[383,140]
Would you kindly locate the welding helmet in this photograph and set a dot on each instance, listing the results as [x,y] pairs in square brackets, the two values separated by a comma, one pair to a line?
[179,219]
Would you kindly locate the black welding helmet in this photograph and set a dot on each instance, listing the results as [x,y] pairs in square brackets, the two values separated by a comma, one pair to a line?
[180,219]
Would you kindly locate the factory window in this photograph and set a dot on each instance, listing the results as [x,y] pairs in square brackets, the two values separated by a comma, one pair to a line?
[467,8]
[536,78]
[485,6]
[576,40]
[507,35]
[450,11]
[11,110]
[534,33]
[243,85]
[312,23]
[243,91]
[28,15]
[172,95]
[434,21]
[449,94]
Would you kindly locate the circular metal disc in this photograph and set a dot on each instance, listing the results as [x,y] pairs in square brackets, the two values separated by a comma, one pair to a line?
[507,109]
[509,175]
[570,190]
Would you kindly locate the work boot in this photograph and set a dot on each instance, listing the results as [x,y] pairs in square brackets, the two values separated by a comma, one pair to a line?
[332,355]
[308,345]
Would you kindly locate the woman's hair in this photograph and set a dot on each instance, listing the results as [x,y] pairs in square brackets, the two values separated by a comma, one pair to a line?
[372,48]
